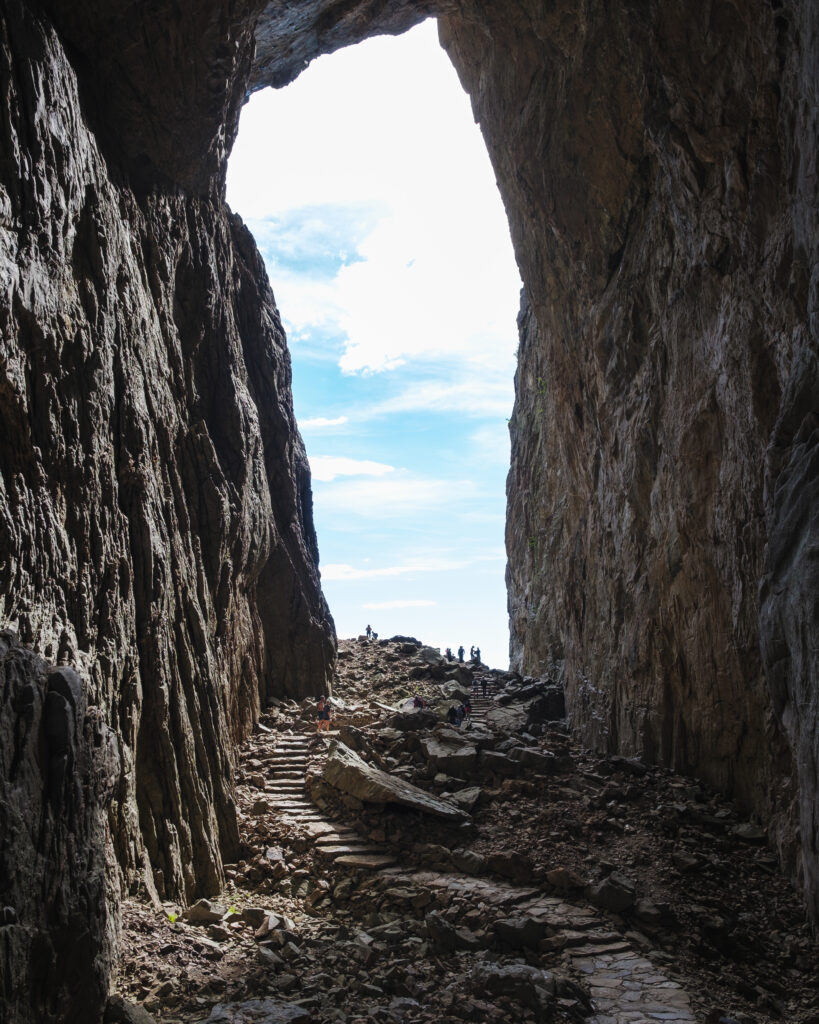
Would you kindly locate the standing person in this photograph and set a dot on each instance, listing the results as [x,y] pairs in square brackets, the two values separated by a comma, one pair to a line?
[322,716]
[369,631]
[472,652]
[461,653]
[467,709]
[478,655]
[459,715]
[448,654]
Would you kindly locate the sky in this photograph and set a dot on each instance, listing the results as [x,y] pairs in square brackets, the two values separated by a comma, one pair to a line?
[368,188]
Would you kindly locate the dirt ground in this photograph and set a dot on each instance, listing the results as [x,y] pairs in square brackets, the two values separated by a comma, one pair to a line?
[710,908]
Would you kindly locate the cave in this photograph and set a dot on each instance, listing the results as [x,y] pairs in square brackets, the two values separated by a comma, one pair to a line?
[158,560]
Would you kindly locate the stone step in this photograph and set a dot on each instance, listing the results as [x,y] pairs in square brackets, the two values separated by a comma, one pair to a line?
[333,842]
[345,851]
[369,862]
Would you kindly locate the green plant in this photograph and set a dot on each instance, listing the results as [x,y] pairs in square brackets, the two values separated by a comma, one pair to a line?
[172,917]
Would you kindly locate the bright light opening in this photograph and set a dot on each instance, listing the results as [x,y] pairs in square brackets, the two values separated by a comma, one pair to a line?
[370,193]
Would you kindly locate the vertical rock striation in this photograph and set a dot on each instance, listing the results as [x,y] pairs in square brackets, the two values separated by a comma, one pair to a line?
[155,510]
[657,162]
[57,773]
[653,159]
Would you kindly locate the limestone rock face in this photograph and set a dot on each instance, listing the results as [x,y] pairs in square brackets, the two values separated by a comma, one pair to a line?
[155,509]
[58,763]
[654,163]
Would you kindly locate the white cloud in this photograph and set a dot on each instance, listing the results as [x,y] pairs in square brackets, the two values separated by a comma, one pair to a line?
[328,467]
[476,396]
[436,278]
[406,494]
[383,605]
[341,571]
[321,423]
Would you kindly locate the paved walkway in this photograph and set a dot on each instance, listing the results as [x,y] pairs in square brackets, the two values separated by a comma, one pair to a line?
[626,988]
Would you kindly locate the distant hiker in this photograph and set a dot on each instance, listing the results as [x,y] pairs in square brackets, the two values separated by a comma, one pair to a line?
[472,653]
[448,654]
[375,635]
[467,709]
[478,655]
[459,715]
[452,715]
[369,631]
[461,653]
[483,686]
[322,716]
[474,684]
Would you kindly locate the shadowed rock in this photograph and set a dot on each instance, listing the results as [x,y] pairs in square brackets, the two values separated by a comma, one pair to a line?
[345,770]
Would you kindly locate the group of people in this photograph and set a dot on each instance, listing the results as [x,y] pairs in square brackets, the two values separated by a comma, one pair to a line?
[474,654]
[458,714]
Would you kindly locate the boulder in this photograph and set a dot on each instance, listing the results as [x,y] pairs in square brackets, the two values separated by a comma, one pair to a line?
[445,936]
[413,720]
[511,864]
[449,752]
[520,932]
[468,861]
[528,985]
[258,1011]
[117,1011]
[507,719]
[466,798]
[204,912]
[564,879]
[352,737]
[493,762]
[345,770]
[541,761]
[461,676]
[614,893]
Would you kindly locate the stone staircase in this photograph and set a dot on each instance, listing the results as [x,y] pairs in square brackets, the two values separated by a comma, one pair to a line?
[480,705]
[287,765]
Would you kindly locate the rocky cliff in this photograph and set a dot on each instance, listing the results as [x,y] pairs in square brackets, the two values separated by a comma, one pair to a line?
[653,159]
[657,161]
[155,509]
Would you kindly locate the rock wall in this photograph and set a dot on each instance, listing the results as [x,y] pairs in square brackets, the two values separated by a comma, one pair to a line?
[155,509]
[57,775]
[654,161]
[657,161]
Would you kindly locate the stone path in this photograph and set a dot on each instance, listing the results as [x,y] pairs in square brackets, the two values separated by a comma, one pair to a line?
[286,766]
[480,705]
[626,988]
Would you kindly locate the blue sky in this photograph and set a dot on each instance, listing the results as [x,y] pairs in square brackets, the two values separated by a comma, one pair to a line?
[369,191]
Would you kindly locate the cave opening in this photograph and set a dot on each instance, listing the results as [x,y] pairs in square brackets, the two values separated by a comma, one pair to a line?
[368,188]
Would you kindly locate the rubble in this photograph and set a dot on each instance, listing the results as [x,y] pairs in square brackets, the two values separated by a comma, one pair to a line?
[563,889]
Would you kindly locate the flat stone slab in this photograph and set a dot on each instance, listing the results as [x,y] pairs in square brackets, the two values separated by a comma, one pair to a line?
[346,771]
[368,861]
[258,1011]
